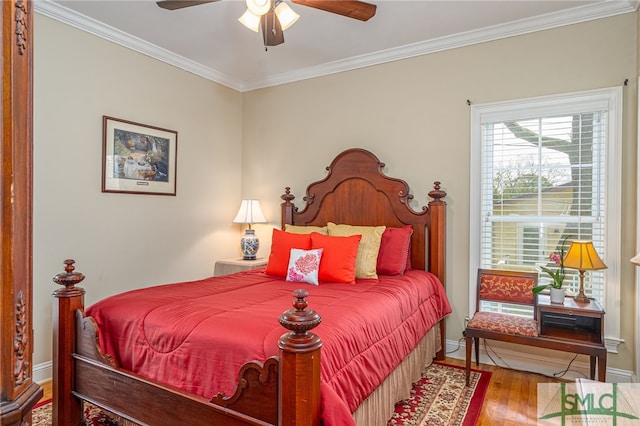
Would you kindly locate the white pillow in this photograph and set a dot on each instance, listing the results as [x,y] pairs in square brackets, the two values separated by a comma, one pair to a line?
[304,265]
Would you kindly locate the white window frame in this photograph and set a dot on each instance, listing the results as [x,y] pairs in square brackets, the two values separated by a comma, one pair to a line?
[607,98]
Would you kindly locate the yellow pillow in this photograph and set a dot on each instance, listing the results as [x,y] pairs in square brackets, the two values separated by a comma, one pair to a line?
[298,229]
[367,258]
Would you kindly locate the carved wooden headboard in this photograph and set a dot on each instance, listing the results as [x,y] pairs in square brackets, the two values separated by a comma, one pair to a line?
[356,192]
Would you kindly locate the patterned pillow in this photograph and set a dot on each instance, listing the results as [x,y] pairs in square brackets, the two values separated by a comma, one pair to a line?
[367,259]
[304,266]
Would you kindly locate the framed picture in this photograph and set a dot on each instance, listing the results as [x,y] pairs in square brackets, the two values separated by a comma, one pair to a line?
[138,159]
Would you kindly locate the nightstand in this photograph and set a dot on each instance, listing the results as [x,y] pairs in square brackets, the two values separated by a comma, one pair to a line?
[231,266]
[575,327]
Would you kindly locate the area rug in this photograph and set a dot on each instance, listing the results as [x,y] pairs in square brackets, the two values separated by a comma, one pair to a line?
[93,415]
[41,415]
[439,398]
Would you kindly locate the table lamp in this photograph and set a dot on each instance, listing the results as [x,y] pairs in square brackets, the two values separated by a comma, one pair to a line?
[583,257]
[249,213]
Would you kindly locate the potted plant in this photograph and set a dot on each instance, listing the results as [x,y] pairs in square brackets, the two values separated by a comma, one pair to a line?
[557,276]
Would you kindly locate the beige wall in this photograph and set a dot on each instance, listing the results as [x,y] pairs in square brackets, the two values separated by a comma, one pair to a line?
[413,115]
[122,241]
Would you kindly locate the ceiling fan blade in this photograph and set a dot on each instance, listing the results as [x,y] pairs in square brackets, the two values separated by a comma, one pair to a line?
[179,4]
[272,33]
[350,8]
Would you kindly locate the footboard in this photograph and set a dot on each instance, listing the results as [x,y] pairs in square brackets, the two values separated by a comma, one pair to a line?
[83,372]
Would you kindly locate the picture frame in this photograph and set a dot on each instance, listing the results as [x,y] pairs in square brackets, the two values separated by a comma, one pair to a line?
[138,158]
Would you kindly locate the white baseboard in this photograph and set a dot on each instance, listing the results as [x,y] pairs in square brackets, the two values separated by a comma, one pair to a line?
[539,361]
[536,360]
[43,372]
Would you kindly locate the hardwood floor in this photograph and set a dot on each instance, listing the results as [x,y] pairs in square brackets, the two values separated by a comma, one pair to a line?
[46,387]
[511,398]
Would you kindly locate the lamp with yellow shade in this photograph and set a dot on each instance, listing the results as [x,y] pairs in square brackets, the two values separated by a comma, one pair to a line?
[583,257]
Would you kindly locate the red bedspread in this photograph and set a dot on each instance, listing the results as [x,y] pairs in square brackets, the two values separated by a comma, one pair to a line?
[196,335]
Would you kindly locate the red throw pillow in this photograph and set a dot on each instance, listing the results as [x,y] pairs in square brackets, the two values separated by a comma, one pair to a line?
[393,256]
[281,245]
[338,263]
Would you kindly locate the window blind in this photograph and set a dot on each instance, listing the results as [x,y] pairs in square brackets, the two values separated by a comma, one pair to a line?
[542,184]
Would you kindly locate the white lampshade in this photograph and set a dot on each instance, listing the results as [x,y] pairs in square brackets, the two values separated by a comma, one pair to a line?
[286,15]
[259,7]
[636,259]
[250,20]
[250,212]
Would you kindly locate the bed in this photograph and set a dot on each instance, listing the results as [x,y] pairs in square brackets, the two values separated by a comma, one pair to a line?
[339,359]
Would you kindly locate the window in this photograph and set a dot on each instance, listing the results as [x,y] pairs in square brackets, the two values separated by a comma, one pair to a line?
[545,170]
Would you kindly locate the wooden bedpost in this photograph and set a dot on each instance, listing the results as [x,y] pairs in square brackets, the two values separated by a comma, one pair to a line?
[287,208]
[437,233]
[67,410]
[299,400]
[438,249]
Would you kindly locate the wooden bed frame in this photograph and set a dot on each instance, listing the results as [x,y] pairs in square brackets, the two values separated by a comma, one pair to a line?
[284,390]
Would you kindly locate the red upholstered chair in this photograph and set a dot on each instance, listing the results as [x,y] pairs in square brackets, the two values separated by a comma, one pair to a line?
[510,287]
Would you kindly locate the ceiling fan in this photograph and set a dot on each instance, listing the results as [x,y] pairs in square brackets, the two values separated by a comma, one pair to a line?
[275,16]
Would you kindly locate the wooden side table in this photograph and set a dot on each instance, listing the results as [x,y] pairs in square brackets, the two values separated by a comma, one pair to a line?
[574,327]
[231,266]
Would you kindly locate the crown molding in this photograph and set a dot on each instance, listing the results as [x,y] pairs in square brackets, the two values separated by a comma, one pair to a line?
[515,28]
[524,26]
[107,32]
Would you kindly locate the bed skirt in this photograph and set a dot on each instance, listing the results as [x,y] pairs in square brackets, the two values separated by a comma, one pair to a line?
[379,406]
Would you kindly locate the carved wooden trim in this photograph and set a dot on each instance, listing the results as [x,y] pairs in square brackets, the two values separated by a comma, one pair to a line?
[287,208]
[88,338]
[256,391]
[287,196]
[299,321]
[263,373]
[437,194]
[18,392]
[20,342]
[21,26]
[355,179]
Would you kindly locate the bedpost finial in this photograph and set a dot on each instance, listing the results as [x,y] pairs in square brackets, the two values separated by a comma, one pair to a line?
[300,319]
[69,268]
[287,197]
[300,303]
[437,194]
[68,278]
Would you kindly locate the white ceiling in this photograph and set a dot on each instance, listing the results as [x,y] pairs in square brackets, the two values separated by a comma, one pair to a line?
[209,41]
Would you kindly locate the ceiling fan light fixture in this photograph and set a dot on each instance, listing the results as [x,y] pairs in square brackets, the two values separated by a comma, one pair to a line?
[259,7]
[286,15]
[250,20]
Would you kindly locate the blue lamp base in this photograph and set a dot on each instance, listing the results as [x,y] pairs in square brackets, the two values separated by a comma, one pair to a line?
[249,244]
